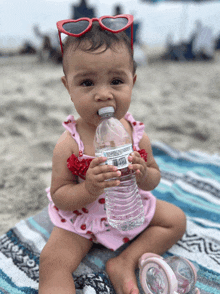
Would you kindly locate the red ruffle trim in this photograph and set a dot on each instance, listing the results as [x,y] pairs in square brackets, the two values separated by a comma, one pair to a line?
[143,154]
[79,167]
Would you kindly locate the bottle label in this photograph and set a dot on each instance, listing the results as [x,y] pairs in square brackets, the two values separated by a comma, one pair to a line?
[118,156]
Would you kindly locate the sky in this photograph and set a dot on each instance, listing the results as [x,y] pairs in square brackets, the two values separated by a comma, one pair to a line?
[157,20]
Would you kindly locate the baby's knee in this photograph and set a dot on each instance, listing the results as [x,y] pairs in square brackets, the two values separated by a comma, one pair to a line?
[179,221]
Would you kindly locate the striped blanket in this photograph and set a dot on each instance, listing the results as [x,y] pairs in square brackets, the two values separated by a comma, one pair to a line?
[190,180]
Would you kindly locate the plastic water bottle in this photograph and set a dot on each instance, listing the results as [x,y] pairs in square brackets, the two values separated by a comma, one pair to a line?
[124,206]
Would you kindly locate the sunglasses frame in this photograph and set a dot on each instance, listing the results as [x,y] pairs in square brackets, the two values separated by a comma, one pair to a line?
[60,24]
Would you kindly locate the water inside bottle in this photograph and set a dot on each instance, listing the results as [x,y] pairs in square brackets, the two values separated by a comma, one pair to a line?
[124,206]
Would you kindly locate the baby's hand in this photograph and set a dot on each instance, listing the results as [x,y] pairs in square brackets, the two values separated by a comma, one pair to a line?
[97,176]
[138,165]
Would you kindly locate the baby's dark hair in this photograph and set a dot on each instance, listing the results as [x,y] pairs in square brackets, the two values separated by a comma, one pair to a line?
[97,37]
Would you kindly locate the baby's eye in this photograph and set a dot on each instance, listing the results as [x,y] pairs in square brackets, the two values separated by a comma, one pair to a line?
[117,82]
[87,83]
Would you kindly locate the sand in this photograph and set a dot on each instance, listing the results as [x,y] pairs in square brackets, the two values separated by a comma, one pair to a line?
[178,102]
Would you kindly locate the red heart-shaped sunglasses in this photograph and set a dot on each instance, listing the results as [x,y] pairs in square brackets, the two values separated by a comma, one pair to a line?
[78,27]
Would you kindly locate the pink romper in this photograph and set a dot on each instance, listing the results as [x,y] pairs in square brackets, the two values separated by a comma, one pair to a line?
[91,222]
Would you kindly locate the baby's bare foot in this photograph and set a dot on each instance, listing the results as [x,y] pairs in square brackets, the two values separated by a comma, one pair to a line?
[122,276]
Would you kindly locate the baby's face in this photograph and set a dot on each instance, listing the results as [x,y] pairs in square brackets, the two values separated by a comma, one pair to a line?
[98,79]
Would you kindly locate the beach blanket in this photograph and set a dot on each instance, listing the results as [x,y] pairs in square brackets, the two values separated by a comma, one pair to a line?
[190,180]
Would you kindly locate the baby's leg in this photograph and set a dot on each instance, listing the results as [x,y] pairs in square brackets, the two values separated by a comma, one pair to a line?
[59,259]
[166,228]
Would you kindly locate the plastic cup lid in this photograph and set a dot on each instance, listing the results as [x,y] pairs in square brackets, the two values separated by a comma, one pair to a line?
[106,110]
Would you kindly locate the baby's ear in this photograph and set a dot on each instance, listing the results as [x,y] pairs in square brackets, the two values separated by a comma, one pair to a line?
[64,81]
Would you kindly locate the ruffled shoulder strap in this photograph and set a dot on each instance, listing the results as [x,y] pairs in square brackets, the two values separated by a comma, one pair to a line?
[138,129]
[70,125]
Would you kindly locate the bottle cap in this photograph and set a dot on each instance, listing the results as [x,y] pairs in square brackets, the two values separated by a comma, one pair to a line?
[106,111]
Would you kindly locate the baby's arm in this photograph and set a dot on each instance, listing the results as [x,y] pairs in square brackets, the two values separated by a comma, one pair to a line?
[66,193]
[147,173]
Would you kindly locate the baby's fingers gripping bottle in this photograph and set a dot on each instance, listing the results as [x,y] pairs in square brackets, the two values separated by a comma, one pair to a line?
[124,206]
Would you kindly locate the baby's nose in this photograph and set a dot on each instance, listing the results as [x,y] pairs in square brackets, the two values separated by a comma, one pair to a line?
[103,95]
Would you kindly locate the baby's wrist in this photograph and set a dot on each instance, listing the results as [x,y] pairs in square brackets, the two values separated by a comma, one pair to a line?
[152,179]
[143,179]
[90,194]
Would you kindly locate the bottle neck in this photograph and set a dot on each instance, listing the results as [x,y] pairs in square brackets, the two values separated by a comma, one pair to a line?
[103,117]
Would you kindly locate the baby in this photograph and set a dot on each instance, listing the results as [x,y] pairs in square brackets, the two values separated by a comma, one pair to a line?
[99,71]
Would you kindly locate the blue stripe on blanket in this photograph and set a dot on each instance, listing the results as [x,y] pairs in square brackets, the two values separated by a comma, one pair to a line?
[191,204]
[190,180]
[38,227]
[201,169]
[206,288]
[8,287]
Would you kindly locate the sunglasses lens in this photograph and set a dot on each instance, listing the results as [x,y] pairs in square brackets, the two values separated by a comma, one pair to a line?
[115,24]
[76,27]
